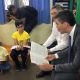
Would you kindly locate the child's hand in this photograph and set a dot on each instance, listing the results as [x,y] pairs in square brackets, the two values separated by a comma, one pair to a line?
[18,48]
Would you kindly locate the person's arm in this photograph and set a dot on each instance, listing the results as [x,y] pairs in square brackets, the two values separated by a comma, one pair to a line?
[48,67]
[15,41]
[18,47]
[58,55]
[50,40]
[52,37]
[75,64]
[62,43]
[69,67]
[26,42]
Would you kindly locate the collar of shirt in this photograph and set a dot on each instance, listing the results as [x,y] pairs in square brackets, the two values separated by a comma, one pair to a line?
[72,34]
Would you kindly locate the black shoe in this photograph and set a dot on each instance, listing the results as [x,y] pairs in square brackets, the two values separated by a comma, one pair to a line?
[42,74]
[24,67]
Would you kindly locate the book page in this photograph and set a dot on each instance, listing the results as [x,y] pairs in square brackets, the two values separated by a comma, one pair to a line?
[38,53]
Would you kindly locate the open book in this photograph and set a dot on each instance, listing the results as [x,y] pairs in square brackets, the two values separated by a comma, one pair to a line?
[38,53]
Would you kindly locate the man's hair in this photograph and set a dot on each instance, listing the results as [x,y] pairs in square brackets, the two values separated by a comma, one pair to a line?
[66,16]
[18,22]
[58,7]
[11,7]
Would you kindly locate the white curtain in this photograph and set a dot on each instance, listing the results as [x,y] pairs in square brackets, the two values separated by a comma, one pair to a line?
[7,3]
[23,3]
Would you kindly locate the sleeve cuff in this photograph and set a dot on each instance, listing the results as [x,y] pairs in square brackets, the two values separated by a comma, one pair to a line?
[56,55]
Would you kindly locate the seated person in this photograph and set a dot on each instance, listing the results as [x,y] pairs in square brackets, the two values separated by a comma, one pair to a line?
[4,58]
[61,39]
[21,39]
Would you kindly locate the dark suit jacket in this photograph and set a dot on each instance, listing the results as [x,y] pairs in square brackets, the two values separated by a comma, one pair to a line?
[74,64]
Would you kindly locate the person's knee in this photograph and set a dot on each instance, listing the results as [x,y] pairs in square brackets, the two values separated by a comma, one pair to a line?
[13,53]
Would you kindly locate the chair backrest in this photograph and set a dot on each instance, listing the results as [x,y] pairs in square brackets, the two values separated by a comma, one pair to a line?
[40,33]
[6,31]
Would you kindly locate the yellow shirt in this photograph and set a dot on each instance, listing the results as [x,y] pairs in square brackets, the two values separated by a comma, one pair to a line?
[21,38]
[3,53]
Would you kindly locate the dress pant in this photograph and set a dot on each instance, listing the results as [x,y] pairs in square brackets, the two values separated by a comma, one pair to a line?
[63,76]
[5,66]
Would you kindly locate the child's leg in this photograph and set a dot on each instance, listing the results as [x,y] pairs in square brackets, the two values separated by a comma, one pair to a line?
[24,55]
[14,55]
[6,67]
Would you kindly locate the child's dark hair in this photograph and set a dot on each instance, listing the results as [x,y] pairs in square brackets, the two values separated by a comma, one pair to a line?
[18,22]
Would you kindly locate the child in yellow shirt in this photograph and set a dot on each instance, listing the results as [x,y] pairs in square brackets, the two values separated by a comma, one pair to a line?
[21,39]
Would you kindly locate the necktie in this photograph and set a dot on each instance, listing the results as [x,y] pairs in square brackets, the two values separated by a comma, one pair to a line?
[69,49]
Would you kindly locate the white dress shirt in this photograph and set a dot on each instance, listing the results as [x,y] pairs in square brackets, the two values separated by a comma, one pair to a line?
[72,35]
[62,39]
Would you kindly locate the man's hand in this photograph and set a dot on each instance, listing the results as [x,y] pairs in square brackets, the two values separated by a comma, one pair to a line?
[51,57]
[46,67]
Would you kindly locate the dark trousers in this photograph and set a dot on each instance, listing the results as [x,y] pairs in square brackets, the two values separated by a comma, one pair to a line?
[63,76]
[5,66]
[23,53]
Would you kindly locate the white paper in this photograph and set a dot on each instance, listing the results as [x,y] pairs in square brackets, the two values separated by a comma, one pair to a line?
[27,46]
[14,47]
[38,53]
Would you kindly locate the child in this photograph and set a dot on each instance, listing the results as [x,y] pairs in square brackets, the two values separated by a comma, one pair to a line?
[4,58]
[21,39]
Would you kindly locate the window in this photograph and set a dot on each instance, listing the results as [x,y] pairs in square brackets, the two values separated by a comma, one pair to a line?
[20,2]
[26,2]
[23,3]
[7,3]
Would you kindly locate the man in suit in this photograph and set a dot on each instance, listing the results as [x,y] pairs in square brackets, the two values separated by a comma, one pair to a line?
[66,70]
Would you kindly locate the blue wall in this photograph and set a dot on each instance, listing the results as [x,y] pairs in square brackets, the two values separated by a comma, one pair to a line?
[43,8]
[2,12]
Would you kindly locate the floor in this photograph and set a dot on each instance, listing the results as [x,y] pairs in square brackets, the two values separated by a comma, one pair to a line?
[29,74]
